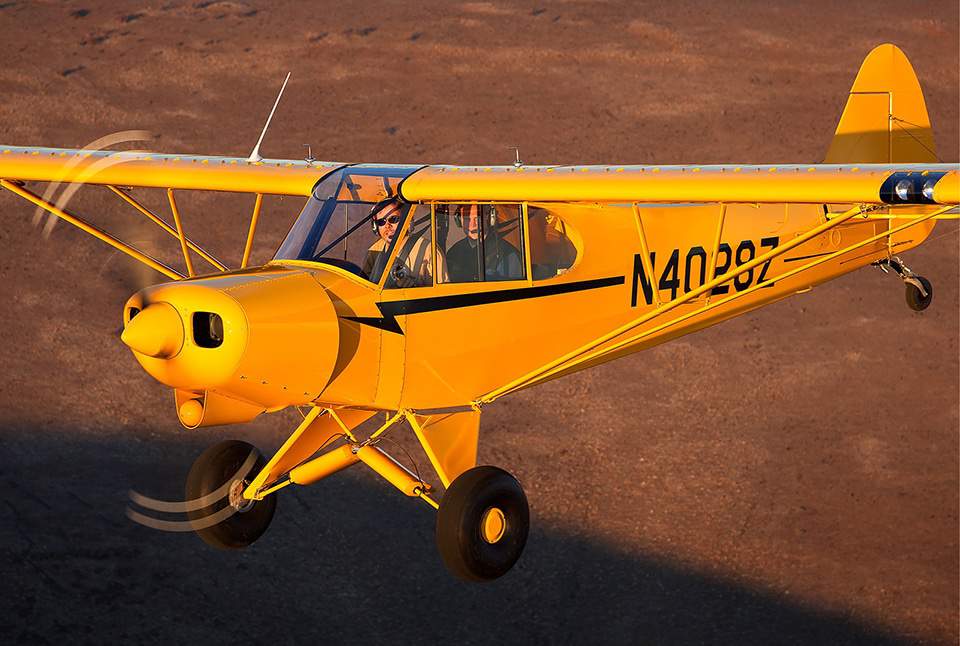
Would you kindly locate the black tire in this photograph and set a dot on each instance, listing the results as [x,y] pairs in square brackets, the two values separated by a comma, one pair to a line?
[210,472]
[460,519]
[917,301]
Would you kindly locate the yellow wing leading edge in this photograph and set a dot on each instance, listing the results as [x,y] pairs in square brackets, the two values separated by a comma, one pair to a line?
[154,170]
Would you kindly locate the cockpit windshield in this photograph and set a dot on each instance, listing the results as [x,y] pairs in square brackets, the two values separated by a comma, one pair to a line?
[351,220]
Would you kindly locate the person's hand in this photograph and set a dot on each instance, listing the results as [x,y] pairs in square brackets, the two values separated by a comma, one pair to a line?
[401,276]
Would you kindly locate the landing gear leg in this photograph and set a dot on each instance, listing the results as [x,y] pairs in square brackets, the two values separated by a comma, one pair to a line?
[919,291]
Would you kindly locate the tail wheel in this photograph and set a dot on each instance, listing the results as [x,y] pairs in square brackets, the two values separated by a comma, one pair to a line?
[221,473]
[482,524]
[915,299]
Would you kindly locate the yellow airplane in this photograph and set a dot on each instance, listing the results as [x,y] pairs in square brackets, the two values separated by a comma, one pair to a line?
[429,292]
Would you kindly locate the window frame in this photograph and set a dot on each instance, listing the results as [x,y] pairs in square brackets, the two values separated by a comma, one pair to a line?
[343,171]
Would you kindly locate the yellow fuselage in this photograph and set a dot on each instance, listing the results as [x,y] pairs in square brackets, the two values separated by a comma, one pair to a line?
[296,332]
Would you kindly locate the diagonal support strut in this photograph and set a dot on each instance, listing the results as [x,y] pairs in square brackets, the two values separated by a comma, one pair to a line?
[86,227]
[129,199]
[549,368]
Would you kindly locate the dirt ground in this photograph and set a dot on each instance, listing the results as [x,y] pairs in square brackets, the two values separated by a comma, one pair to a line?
[790,476]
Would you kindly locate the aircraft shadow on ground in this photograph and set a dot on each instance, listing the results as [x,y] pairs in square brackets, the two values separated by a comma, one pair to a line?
[346,560]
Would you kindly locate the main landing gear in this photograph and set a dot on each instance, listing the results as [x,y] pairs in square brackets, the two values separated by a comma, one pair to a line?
[216,483]
[482,519]
[919,291]
[482,524]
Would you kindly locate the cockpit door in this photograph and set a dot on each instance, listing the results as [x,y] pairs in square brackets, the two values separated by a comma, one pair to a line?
[408,276]
[393,299]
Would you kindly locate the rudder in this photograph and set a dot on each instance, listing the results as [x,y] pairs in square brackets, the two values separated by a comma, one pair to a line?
[885,119]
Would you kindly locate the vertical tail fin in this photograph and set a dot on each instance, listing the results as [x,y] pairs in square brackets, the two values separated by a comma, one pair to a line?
[885,119]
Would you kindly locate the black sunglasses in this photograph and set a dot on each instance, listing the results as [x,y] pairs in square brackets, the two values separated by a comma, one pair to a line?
[392,219]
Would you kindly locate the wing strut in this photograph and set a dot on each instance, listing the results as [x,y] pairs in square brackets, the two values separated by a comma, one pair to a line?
[769,281]
[541,372]
[254,218]
[645,251]
[715,255]
[126,197]
[183,238]
[92,230]
[590,352]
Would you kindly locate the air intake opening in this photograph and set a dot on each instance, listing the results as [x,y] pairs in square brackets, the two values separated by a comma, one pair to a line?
[207,329]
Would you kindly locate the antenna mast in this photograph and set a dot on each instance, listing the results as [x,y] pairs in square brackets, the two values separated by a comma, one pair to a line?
[255,155]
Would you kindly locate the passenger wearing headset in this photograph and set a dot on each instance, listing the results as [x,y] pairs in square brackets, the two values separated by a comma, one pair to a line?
[384,225]
[501,260]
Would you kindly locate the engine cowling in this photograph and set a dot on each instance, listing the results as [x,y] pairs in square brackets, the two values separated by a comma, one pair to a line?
[266,338]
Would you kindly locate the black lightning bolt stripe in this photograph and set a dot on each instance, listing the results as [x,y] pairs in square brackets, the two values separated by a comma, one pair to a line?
[391,309]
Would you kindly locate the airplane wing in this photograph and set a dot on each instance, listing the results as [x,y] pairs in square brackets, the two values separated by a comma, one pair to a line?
[897,183]
[812,183]
[120,168]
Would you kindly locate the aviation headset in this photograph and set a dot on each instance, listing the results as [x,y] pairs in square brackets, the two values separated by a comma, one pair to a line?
[458,217]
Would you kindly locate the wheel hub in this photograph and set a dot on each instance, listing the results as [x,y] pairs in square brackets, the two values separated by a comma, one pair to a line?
[236,499]
[493,525]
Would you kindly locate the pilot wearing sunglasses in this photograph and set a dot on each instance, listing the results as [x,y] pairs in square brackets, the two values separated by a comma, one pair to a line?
[384,223]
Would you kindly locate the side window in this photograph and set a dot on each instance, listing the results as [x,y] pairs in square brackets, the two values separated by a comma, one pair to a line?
[479,242]
[551,252]
[413,266]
